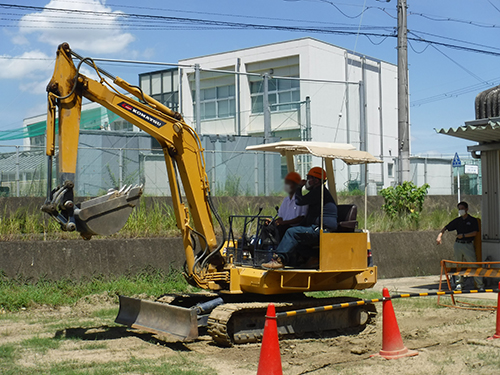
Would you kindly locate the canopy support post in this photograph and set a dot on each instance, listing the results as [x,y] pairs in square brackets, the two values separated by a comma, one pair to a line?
[289,162]
[331,179]
[366,196]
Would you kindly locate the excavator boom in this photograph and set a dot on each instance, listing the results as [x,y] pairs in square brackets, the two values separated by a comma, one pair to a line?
[181,146]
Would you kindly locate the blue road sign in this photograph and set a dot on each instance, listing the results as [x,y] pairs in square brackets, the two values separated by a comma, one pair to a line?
[456,161]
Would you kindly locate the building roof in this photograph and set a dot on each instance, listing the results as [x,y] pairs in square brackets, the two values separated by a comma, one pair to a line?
[290,41]
[343,151]
[29,161]
[481,131]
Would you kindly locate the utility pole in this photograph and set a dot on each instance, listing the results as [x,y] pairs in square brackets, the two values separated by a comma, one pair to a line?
[403,115]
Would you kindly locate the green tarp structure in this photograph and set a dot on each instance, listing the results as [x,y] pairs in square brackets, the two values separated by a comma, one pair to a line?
[91,119]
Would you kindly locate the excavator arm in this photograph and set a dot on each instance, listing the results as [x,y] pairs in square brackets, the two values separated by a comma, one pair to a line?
[181,147]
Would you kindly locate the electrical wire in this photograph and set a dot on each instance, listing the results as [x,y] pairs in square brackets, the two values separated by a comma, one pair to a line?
[418,52]
[456,20]
[472,74]
[455,93]
[212,13]
[239,25]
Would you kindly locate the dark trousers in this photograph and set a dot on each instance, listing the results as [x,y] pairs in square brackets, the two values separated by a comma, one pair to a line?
[298,241]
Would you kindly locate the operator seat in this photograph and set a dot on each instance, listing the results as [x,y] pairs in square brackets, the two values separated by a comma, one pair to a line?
[346,217]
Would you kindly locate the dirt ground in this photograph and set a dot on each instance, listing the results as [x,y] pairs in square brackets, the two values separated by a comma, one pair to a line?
[45,340]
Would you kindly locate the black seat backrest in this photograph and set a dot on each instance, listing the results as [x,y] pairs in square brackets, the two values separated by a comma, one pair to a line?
[346,217]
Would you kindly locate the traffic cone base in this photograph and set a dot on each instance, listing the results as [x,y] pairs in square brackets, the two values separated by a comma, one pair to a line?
[396,354]
[392,342]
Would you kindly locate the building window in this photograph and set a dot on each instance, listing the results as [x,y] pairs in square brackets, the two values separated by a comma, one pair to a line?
[390,169]
[216,102]
[284,95]
[162,86]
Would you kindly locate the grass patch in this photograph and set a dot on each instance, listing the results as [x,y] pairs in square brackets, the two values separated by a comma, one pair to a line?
[156,219]
[362,294]
[95,346]
[41,344]
[7,352]
[177,366]
[18,293]
[105,313]
[428,220]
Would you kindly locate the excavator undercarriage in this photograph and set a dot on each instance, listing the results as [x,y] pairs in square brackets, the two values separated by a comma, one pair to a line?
[239,319]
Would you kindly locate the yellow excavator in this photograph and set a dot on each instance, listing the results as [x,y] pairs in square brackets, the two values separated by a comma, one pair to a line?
[236,288]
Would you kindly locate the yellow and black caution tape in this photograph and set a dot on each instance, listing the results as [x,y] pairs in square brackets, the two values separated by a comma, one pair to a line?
[362,302]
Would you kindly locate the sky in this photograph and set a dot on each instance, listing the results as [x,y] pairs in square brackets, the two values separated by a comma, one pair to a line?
[30,37]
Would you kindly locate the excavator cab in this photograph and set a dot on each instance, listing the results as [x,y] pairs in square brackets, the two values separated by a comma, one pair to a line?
[348,248]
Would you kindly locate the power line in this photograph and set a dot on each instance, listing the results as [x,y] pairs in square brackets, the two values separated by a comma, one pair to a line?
[115,19]
[454,39]
[239,25]
[456,20]
[455,93]
[472,74]
[365,8]
[214,13]
[493,5]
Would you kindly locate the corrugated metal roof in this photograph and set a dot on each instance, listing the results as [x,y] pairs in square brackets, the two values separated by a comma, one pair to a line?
[482,131]
[29,161]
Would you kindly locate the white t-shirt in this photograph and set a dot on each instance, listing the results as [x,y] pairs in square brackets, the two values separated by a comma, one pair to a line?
[290,210]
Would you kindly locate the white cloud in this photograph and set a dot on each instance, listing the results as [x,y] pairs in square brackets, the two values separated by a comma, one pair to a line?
[91,33]
[19,39]
[28,65]
[36,87]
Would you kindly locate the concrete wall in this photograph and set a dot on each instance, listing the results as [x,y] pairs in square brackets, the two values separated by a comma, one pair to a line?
[76,259]
[396,254]
[402,254]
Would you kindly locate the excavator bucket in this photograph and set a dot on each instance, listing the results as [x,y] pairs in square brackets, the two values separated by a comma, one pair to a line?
[158,318]
[107,214]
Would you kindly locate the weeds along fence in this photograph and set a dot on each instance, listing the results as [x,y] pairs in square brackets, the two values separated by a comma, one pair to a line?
[23,171]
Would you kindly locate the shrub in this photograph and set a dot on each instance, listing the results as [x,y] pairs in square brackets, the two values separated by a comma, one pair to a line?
[405,200]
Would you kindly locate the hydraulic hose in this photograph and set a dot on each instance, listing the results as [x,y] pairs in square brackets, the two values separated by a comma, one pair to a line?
[222,227]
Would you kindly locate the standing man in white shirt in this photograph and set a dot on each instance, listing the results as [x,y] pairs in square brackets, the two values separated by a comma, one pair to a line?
[290,214]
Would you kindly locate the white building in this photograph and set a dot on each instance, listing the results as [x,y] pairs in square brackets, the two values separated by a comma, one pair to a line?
[316,91]
[352,99]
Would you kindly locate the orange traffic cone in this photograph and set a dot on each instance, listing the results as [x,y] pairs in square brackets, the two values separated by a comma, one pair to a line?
[497,333]
[270,358]
[392,343]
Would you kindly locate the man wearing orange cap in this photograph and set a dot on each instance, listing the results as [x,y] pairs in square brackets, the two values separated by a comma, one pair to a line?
[300,241]
[290,214]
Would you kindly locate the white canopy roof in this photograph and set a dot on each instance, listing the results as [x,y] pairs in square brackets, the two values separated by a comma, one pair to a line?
[342,151]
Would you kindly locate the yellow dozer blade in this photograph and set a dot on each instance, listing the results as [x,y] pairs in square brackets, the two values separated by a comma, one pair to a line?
[165,319]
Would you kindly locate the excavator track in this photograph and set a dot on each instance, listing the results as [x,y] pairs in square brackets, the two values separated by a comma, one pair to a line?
[238,320]
[240,323]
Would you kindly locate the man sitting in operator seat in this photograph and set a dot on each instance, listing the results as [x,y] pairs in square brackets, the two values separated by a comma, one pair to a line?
[291,214]
[301,240]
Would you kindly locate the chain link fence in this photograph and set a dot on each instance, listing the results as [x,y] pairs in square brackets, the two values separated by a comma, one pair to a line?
[23,171]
